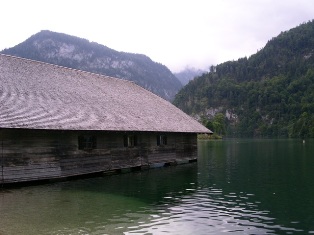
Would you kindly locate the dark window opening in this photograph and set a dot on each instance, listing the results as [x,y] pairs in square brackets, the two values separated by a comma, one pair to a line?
[87,142]
[130,141]
[161,140]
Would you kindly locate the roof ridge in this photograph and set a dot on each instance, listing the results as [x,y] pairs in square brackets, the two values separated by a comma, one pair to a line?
[64,67]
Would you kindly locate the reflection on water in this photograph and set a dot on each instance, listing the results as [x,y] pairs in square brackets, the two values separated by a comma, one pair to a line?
[237,187]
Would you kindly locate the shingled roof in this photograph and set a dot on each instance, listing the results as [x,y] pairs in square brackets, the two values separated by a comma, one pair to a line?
[37,95]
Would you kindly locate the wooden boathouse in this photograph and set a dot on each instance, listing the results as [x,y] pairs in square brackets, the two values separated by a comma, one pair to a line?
[57,122]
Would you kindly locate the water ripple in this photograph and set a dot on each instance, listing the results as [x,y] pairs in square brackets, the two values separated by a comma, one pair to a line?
[202,213]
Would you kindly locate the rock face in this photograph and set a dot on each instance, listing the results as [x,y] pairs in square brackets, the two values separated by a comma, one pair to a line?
[188,74]
[77,53]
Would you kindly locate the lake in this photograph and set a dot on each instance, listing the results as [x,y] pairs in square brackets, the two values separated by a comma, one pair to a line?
[237,186]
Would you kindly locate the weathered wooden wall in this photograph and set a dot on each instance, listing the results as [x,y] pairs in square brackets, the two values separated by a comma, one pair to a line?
[28,155]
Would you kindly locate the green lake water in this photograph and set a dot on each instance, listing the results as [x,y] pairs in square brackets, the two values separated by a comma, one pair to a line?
[237,187]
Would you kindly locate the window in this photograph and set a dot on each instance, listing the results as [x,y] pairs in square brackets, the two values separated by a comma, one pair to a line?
[130,141]
[161,140]
[87,142]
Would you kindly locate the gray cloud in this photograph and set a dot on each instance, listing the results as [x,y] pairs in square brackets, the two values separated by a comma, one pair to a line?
[176,33]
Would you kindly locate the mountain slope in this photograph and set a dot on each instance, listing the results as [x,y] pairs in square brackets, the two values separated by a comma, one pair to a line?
[269,94]
[77,53]
[188,74]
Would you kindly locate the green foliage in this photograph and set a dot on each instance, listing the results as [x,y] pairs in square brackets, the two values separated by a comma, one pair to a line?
[217,124]
[271,93]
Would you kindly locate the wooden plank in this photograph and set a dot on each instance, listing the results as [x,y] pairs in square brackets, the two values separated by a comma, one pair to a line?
[41,154]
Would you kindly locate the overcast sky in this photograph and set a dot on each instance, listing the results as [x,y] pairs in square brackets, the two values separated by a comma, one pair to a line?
[176,33]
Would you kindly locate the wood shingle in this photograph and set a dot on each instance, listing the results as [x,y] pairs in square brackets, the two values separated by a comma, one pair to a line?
[37,95]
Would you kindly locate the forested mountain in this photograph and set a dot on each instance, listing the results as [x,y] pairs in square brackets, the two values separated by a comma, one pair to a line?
[77,53]
[188,74]
[270,94]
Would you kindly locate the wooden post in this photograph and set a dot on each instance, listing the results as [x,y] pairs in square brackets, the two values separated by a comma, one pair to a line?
[2,164]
